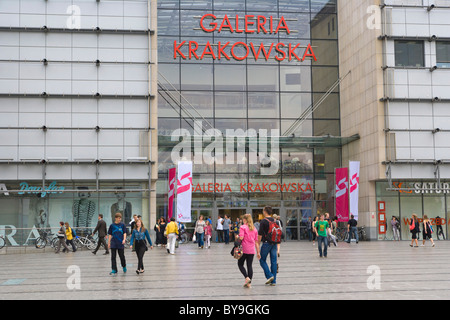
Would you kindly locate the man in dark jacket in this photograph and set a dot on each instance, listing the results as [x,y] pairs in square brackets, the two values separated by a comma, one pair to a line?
[352,229]
[102,232]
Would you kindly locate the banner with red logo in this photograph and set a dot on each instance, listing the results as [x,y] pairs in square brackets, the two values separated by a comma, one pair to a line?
[184,191]
[354,188]
[171,194]
[341,175]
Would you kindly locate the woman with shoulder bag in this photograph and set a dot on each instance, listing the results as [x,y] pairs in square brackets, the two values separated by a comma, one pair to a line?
[414,228]
[62,238]
[200,232]
[138,239]
[427,231]
[248,235]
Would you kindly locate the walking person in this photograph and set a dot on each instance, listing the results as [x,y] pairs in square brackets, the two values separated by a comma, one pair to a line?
[395,228]
[439,230]
[219,229]
[200,232]
[414,228]
[69,237]
[159,235]
[352,229]
[427,231]
[268,246]
[172,234]
[226,229]
[162,229]
[309,228]
[331,237]
[116,243]
[322,228]
[62,238]
[314,230]
[208,234]
[248,235]
[138,242]
[102,233]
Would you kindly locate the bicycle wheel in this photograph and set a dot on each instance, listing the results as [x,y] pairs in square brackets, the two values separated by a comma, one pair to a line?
[54,242]
[91,244]
[78,243]
[2,243]
[41,243]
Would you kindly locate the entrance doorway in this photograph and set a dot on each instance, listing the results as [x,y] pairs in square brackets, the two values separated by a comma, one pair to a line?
[257,214]
[233,214]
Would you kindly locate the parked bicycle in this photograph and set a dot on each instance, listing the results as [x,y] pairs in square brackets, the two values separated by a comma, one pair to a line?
[184,237]
[45,239]
[341,234]
[362,234]
[85,242]
[2,242]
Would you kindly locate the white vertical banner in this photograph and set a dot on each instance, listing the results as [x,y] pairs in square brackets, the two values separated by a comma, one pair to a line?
[184,191]
[354,167]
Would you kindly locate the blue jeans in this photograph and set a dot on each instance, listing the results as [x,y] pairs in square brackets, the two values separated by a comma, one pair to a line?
[227,236]
[267,249]
[353,230]
[200,237]
[322,240]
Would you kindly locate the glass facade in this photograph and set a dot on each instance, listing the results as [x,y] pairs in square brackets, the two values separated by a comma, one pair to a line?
[415,198]
[26,213]
[252,93]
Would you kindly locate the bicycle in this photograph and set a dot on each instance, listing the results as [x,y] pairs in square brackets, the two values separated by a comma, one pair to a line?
[184,237]
[85,242]
[44,239]
[2,242]
[362,234]
[341,234]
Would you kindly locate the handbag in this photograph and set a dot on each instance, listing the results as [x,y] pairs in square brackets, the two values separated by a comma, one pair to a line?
[237,252]
[412,226]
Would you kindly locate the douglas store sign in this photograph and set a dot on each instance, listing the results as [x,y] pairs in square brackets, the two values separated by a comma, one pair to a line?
[240,51]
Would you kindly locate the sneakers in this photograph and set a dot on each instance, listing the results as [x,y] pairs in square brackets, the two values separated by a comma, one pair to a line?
[113,273]
[124,269]
[270,280]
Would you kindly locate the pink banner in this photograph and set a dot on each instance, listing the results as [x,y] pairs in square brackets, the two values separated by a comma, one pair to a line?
[342,200]
[171,195]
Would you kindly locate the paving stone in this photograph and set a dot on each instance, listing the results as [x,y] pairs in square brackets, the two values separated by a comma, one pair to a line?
[193,274]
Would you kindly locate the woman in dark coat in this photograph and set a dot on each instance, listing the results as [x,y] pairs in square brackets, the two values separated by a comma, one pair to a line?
[162,228]
[159,235]
[415,230]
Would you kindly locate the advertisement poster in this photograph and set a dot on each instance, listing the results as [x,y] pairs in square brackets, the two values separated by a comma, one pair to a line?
[184,191]
[342,194]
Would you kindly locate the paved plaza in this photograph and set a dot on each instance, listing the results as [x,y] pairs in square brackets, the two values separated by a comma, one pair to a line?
[351,271]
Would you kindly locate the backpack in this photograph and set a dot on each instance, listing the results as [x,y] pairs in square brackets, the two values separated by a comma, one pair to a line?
[274,234]
[74,234]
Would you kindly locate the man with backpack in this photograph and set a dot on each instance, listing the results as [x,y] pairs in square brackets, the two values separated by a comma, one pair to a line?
[270,235]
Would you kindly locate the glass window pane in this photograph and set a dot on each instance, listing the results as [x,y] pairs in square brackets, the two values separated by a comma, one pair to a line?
[196,77]
[409,204]
[263,78]
[434,208]
[263,105]
[231,104]
[409,54]
[230,78]
[443,54]
[294,104]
